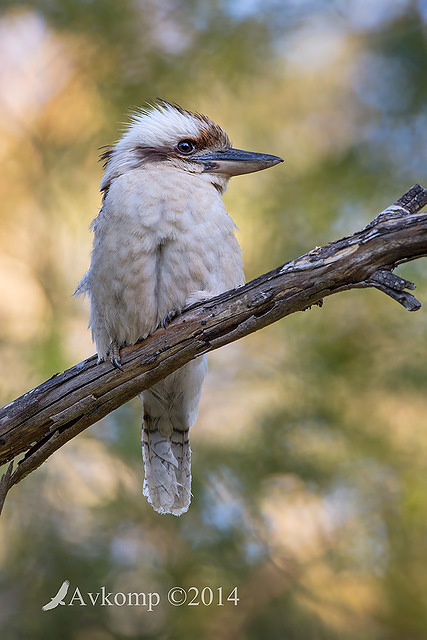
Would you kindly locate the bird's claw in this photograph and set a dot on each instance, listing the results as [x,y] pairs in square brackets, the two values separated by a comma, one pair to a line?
[115,356]
[169,317]
[116,363]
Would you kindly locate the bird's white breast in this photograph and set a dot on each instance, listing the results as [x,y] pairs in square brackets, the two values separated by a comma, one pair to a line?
[162,236]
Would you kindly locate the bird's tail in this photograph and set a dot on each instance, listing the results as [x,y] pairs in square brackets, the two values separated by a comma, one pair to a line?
[167,460]
[170,409]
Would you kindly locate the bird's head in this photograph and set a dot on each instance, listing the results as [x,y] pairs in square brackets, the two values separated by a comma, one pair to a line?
[191,142]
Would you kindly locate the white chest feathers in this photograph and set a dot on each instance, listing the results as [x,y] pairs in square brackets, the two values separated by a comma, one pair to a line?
[162,238]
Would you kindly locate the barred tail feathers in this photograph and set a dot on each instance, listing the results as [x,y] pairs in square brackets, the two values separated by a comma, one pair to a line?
[170,409]
[167,461]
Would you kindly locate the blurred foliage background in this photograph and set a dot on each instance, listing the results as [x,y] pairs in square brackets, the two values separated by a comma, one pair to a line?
[310,451]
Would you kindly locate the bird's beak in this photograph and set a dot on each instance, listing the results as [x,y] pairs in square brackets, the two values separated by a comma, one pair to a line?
[234,162]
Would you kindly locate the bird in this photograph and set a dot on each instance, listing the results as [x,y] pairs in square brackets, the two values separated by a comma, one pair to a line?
[58,598]
[162,241]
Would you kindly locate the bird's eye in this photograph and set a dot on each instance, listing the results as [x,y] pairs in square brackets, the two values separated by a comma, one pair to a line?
[186,147]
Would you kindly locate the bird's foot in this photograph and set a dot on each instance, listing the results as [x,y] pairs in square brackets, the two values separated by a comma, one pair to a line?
[169,317]
[114,355]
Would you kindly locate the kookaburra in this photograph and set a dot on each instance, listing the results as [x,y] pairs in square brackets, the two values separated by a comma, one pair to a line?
[163,240]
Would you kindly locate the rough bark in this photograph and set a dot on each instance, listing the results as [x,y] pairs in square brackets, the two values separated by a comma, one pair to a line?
[42,420]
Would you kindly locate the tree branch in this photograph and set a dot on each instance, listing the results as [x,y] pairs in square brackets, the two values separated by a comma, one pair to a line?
[42,420]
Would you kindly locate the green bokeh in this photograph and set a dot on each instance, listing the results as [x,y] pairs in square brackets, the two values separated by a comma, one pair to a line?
[316,508]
